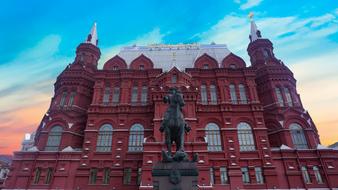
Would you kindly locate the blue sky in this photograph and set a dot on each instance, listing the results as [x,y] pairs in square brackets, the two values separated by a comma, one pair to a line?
[39,38]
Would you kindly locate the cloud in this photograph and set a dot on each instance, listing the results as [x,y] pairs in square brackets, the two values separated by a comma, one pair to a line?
[154,36]
[248,4]
[304,45]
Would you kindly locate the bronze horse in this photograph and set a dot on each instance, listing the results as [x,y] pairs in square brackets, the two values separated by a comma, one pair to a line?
[174,125]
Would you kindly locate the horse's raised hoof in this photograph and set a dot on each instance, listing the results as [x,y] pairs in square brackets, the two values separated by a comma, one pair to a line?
[166,157]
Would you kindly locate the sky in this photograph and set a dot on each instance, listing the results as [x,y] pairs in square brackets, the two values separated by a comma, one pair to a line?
[39,38]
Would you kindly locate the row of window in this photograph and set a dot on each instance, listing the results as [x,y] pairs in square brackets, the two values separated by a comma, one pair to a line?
[106,176]
[212,131]
[233,95]
[114,96]
[64,98]
[286,100]
[316,172]
[48,176]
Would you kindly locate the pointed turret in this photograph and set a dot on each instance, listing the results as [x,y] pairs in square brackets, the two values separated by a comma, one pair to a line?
[255,33]
[260,49]
[92,36]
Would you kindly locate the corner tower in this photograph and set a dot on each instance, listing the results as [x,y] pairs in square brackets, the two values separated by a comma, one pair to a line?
[287,121]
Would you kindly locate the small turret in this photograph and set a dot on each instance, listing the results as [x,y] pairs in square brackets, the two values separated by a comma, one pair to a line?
[87,53]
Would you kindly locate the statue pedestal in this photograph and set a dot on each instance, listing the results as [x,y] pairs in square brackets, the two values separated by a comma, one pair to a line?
[175,176]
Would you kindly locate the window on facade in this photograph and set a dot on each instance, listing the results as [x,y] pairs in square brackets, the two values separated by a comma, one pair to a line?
[204,96]
[174,78]
[116,95]
[93,176]
[141,67]
[115,68]
[224,175]
[63,98]
[213,137]
[232,66]
[206,66]
[144,95]
[305,175]
[279,97]
[233,95]
[37,175]
[259,175]
[213,94]
[288,97]
[245,175]
[136,138]
[71,99]
[127,176]
[134,93]
[212,176]
[245,137]
[298,137]
[242,94]
[104,138]
[48,177]
[106,176]
[54,139]
[317,174]
[139,175]
[106,95]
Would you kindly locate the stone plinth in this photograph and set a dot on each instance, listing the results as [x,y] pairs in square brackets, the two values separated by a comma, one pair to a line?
[175,176]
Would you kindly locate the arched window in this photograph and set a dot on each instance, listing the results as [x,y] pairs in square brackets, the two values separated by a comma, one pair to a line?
[245,137]
[279,97]
[204,96]
[233,94]
[213,94]
[136,138]
[305,174]
[298,137]
[54,139]
[213,137]
[288,97]
[104,139]
[242,94]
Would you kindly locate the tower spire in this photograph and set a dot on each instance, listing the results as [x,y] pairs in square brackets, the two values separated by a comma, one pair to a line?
[254,33]
[92,36]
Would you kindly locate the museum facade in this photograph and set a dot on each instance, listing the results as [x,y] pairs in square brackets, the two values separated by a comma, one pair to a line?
[248,124]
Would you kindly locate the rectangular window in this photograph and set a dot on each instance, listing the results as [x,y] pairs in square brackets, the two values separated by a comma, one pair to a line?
[144,95]
[48,178]
[259,175]
[134,93]
[93,176]
[63,99]
[106,96]
[233,95]
[174,79]
[139,175]
[288,97]
[127,176]
[71,99]
[204,96]
[245,175]
[242,94]
[212,176]
[279,97]
[224,175]
[213,94]
[37,176]
[116,95]
[305,174]
[106,176]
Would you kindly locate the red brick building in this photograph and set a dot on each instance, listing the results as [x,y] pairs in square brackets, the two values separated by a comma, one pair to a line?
[248,124]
